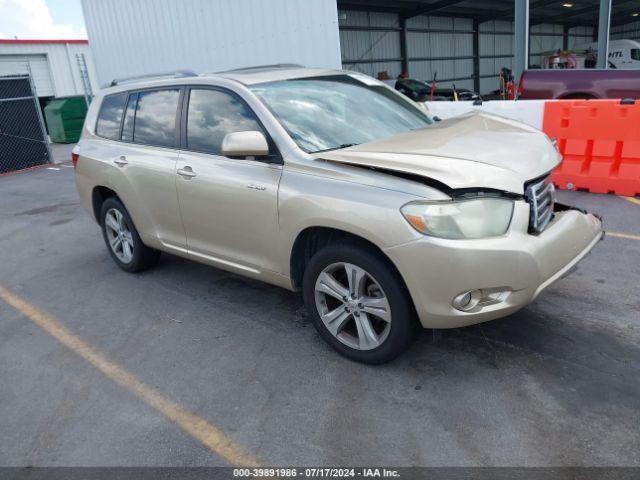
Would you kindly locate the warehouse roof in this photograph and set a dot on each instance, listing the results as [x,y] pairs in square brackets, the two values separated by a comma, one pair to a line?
[569,12]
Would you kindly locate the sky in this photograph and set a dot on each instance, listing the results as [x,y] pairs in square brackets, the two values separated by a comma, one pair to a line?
[41,19]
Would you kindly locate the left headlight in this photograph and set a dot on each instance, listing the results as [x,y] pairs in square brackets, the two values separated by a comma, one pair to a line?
[474,218]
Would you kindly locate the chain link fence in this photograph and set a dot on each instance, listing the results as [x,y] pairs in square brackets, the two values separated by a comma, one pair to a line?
[23,138]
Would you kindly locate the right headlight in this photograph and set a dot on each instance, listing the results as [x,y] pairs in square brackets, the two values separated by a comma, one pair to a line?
[457,219]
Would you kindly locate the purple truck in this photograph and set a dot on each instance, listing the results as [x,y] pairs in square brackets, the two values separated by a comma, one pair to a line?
[579,83]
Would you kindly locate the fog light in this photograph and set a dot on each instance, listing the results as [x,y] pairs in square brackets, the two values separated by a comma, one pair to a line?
[467,300]
[464,300]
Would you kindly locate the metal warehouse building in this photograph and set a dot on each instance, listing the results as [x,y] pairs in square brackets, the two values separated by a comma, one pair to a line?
[466,42]
[56,66]
[147,36]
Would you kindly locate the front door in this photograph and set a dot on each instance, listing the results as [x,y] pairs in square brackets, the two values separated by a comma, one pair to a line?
[229,206]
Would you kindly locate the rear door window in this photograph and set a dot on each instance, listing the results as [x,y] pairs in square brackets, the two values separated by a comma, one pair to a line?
[110,116]
[211,115]
[155,118]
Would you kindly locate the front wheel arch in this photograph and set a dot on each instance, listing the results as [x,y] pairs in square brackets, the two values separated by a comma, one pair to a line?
[312,239]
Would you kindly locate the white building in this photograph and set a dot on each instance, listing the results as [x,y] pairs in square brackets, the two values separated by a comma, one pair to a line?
[139,37]
[52,64]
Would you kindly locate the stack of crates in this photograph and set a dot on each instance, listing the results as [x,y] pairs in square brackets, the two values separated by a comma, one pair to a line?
[65,117]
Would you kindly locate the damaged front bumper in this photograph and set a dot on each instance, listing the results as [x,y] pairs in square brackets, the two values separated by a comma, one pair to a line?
[506,272]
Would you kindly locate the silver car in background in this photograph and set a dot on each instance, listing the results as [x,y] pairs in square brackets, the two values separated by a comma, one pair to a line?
[332,183]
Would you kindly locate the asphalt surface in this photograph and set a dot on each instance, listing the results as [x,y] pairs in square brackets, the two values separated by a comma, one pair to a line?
[555,384]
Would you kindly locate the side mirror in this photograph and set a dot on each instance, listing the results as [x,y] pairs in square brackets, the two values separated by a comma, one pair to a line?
[245,144]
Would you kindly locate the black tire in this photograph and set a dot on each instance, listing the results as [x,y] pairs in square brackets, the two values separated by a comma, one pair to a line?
[143,257]
[403,327]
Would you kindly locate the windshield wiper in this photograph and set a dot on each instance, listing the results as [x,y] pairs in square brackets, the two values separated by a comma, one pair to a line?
[344,145]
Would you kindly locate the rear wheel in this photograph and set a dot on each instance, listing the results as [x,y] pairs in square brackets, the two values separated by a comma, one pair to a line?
[122,239]
[358,303]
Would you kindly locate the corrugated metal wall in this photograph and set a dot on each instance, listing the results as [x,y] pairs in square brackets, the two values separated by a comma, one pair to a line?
[61,61]
[629,31]
[581,35]
[363,50]
[424,48]
[146,36]
[496,39]
[550,39]
[366,46]
[496,52]
[443,45]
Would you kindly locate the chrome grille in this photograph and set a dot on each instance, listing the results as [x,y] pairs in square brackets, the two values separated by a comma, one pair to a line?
[541,196]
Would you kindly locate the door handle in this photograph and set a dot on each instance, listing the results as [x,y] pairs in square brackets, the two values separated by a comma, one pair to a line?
[186,172]
[121,161]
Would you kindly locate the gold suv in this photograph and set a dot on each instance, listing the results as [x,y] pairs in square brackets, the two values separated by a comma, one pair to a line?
[332,183]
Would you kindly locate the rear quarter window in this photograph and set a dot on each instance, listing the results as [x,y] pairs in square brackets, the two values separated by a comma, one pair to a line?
[110,116]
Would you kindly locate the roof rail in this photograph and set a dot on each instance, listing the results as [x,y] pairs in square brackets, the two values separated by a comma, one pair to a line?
[264,67]
[174,74]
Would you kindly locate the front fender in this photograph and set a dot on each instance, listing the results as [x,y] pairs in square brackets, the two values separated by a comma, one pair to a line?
[372,213]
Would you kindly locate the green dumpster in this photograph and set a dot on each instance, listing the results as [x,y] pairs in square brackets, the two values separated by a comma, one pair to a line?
[65,117]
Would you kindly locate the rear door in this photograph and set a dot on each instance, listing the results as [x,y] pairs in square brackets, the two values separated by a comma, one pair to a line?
[145,156]
[228,205]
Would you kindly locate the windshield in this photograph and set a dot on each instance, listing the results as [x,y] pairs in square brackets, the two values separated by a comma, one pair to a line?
[325,113]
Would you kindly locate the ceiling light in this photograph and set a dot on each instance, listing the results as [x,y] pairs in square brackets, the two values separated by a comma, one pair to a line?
[567,5]
[635,14]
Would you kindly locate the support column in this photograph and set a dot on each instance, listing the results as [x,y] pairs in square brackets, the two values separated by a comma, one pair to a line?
[565,37]
[603,33]
[476,56]
[521,54]
[403,43]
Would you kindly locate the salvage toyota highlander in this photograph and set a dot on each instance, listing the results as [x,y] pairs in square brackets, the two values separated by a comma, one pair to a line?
[332,183]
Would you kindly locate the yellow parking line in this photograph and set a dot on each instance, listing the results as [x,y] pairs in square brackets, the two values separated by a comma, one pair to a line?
[211,437]
[632,200]
[622,235]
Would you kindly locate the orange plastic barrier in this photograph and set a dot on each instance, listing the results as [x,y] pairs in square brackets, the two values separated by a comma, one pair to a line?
[600,142]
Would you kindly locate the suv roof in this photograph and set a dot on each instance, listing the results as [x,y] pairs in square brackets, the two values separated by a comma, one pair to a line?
[246,76]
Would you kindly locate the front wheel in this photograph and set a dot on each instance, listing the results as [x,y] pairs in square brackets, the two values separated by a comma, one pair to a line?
[358,303]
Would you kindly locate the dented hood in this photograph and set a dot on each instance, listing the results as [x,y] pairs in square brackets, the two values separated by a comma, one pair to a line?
[476,150]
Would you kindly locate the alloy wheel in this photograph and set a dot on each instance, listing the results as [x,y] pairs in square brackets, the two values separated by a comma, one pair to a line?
[353,306]
[119,235]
